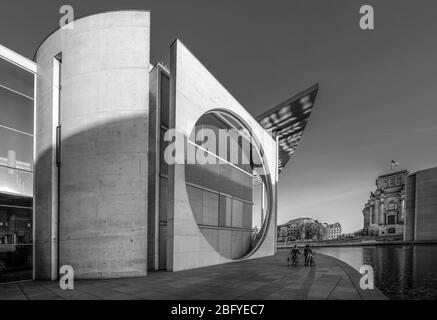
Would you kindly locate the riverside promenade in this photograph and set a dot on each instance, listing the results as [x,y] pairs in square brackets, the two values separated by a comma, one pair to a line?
[263,278]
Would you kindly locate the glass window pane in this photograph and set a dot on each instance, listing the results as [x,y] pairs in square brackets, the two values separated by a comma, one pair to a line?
[238,178]
[247,216]
[210,176]
[16,111]
[16,78]
[225,214]
[195,198]
[257,206]
[225,179]
[9,200]
[16,149]
[222,211]
[210,208]
[247,188]
[165,97]
[16,182]
[15,243]
[391,220]
[228,212]
[237,214]
[193,174]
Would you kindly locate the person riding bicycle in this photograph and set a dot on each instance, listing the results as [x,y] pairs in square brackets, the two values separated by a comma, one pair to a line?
[308,254]
[294,252]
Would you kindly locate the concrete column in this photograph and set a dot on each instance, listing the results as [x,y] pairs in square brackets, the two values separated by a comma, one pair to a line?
[381,212]
[366,222]
[402,210]
[104,105]
[377,211]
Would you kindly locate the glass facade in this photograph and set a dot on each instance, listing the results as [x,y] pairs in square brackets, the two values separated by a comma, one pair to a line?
[223,196]
[15,238]
[226,198]
[16,171]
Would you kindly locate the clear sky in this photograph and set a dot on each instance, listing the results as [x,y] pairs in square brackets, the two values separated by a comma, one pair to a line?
[377,88]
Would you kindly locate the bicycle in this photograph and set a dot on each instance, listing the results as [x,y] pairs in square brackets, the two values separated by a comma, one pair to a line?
[310,260]
[294,261]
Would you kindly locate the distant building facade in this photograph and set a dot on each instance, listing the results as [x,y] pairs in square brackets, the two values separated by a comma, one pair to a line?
[309,229]
[333,231]
[290,231]
[384,212]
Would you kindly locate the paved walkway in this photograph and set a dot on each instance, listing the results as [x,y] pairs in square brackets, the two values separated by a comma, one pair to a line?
[264,278]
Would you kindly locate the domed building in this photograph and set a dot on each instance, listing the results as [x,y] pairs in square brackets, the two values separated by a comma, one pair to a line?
[384,212]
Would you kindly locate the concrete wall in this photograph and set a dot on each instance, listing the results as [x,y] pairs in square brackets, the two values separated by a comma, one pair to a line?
[153,189]
[426,205]
[409,227]
[104,104]
[193,92]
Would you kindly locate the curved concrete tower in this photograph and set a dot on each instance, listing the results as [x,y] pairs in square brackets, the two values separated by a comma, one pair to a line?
[91,147]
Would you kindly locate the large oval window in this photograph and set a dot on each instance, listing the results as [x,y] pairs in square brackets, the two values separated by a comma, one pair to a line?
[227,184]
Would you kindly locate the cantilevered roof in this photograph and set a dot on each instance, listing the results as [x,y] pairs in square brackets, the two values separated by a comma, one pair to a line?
[288,121]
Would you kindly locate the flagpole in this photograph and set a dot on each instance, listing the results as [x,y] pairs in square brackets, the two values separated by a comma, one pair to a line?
[393,163]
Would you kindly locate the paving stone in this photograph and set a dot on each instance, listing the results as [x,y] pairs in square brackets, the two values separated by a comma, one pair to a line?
[263,278]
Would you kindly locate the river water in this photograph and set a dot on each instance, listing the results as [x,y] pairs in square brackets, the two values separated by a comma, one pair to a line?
[401,272]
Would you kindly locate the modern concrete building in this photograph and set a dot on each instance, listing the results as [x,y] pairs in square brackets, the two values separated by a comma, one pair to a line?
[116,190]
[91,172]
[421,206]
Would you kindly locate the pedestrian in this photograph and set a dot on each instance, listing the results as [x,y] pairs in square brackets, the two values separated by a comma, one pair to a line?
[306,253]
[294,258]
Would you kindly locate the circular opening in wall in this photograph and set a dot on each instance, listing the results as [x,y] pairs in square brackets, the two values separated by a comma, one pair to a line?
[228,185]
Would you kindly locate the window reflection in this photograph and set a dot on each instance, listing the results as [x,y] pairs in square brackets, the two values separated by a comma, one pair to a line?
[15,78]
[224,198]
[15,238]
[16,172]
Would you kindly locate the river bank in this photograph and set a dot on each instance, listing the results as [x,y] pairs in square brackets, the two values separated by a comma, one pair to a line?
[353,243]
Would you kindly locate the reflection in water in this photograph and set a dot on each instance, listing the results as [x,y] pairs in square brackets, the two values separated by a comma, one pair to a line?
[401,272]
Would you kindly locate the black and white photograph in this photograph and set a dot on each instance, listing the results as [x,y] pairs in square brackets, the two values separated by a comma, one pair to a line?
[215,150]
